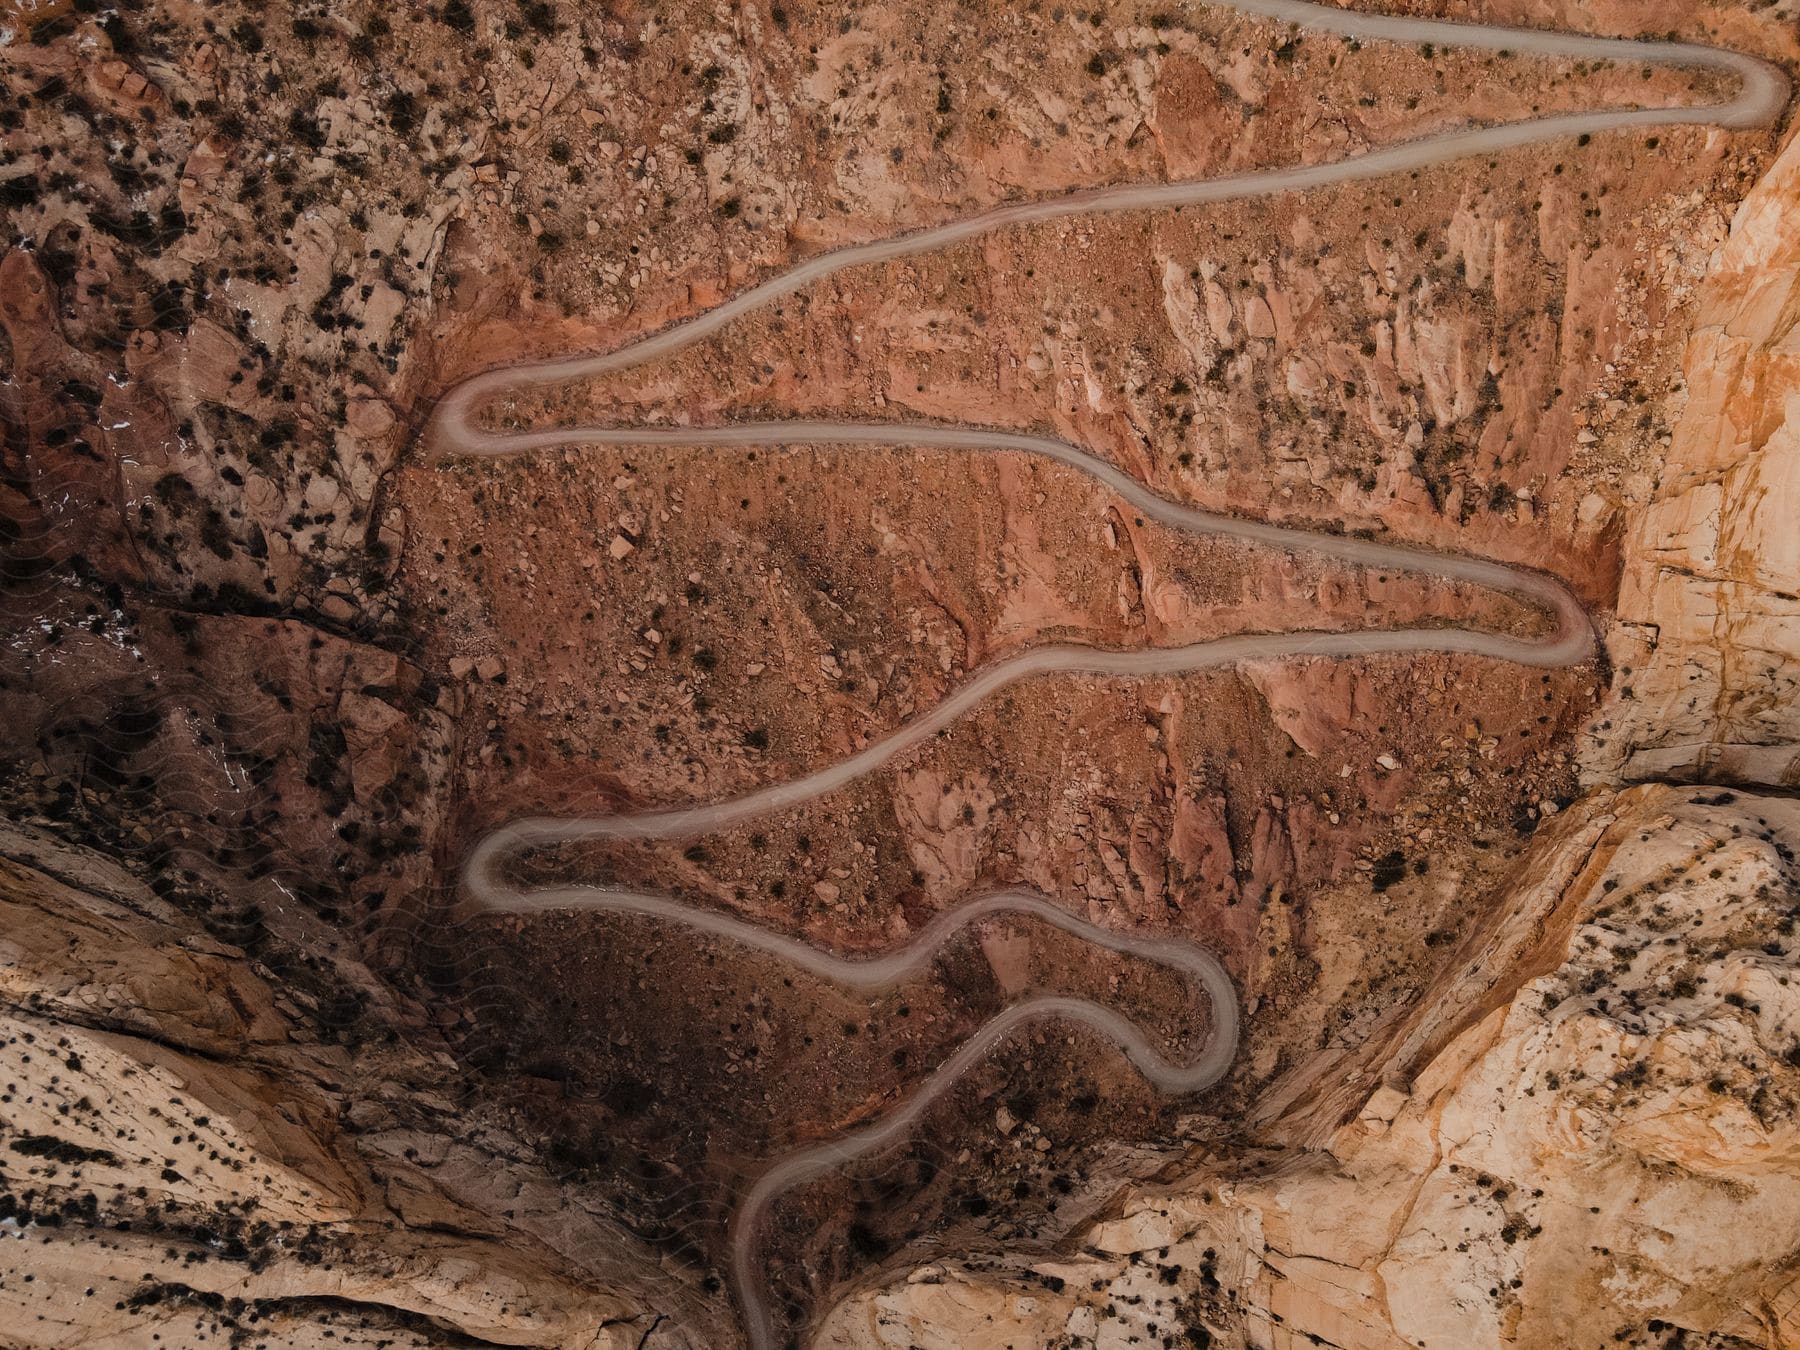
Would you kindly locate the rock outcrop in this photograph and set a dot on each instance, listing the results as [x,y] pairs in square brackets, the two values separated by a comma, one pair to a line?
[1584,1132]
[196,1148]
[1708,642]
[1602,1150]
[1520,1066]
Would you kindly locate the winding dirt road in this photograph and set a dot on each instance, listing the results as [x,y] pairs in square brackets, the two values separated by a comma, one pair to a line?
[1215,1008]
[452,431]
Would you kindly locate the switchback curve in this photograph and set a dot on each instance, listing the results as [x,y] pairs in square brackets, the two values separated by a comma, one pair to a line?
[452,431]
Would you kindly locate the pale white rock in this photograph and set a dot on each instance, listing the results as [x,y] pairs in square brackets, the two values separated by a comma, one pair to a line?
[1712,563]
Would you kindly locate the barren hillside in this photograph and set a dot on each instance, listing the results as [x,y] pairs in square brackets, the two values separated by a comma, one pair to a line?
[551,550]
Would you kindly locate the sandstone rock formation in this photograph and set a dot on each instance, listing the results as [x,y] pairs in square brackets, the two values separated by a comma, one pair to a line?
[201,1144]
[1585,1132]
[1708,645]
[1520,1065]
[1599,1147]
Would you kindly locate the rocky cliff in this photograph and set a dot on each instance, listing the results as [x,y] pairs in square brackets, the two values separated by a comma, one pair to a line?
[1584,1131]
[1707,645]
[1520,1062]
[1589,1138]
[203,1141]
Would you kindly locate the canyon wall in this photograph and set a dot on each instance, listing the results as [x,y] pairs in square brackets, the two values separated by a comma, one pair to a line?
[1520,1064]
[1586,1133]
[213,1142]
[1707,646]
[1604,1153]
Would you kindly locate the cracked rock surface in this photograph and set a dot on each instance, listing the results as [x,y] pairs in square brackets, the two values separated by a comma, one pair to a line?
[1514,946]
[194,1151]
[1599,1141]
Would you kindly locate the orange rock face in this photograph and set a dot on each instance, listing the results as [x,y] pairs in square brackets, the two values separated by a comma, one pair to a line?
[274,664]
[1493,1185]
